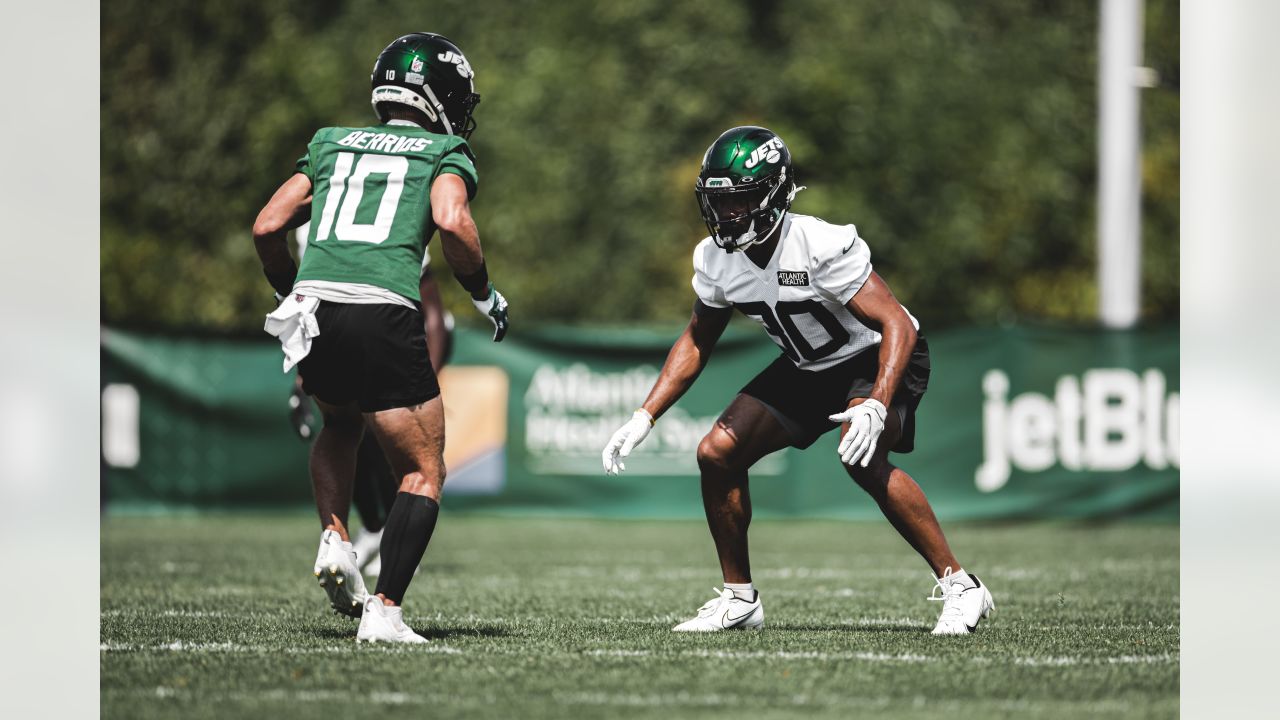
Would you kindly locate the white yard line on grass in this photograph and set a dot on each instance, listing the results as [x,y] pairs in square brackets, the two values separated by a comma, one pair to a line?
[764,655]
[829,700]
[1111,660]
[140,613]
[300,696]
[227,647]
[663,655]
[1026,661]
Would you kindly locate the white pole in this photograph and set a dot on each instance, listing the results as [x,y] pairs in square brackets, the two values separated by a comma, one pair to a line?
[1119,220]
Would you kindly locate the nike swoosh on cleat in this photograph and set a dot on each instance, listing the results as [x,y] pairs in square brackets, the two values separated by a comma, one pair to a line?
[735,621]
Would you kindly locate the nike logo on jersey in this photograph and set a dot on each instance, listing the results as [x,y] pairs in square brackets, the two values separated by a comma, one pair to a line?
[855,242]
[793,278]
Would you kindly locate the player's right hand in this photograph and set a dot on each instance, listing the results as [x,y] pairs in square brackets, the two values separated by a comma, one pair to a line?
[301,412]
[494,307]
[625,440]
[866,422]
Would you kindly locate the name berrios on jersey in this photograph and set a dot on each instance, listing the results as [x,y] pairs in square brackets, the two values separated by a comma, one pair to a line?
[800,295]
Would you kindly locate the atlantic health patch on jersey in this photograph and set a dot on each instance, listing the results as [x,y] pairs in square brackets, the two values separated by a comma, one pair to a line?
[793,278]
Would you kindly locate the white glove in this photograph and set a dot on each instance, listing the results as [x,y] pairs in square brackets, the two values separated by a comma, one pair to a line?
[494,307]
[866,422]
[625,440]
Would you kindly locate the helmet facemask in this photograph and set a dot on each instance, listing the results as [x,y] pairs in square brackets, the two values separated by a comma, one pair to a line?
[743,216]
[467,124]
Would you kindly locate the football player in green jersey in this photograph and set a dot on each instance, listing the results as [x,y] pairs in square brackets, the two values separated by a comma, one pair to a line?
[350,316]
[375,487]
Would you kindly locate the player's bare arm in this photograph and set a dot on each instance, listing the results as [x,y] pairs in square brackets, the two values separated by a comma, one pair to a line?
[687,357]
[684,363]
[451,212]
[460,242]
[287,209]
[875,305]
[877,308]
[434,320]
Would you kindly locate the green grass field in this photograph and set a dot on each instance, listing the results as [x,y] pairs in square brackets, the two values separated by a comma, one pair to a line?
[219,616]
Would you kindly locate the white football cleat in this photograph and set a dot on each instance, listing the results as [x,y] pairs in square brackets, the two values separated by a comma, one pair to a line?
[367,545]
[384,623]
[962,606]
[725,612]
[336,571]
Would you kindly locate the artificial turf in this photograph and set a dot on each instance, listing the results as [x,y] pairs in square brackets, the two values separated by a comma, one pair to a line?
[219,616]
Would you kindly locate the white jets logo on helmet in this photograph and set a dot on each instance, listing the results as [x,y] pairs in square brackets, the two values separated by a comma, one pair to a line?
[770,152]
[464,68]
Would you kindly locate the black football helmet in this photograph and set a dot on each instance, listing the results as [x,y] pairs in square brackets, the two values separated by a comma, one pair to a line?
[428,72]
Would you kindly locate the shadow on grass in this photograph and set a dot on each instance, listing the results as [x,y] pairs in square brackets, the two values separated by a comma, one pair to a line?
[902,628]
[430,632]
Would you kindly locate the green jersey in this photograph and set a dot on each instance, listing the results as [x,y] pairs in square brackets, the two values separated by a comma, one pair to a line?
[371,206]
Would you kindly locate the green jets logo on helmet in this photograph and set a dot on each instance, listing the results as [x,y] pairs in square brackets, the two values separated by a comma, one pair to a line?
[745,186]
[429,73]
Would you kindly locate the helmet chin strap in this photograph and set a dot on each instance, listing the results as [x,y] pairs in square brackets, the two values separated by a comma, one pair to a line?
[439,106]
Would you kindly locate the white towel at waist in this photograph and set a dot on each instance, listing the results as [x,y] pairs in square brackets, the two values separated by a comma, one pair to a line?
[294,323]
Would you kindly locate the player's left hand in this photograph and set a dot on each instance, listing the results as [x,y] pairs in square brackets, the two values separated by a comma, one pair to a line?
[866,422]
[494,307]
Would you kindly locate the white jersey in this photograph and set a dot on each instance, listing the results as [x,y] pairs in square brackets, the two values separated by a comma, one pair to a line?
[800,296]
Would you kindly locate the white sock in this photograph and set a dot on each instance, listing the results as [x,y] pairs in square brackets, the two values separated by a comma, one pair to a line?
[742,591]
[962,577]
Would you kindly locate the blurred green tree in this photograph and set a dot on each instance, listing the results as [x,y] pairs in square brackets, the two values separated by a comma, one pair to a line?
[958,136]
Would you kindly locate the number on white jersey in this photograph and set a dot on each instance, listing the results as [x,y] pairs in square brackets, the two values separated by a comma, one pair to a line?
[780,323]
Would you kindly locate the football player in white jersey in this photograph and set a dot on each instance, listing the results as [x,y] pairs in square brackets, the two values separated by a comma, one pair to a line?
[852,357]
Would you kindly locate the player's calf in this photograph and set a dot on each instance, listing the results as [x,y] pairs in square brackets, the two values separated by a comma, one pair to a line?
[410,524]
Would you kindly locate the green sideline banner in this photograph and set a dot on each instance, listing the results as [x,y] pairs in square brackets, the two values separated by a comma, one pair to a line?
[1018,422]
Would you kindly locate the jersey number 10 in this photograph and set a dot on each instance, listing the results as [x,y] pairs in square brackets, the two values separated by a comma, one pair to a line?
[346,190]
